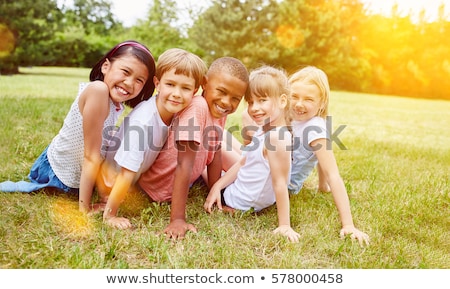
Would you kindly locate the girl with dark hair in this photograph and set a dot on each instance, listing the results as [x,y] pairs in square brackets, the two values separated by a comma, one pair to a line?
[72,160]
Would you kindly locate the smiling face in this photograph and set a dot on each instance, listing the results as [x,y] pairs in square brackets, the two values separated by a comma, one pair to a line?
[125,77]
[223,93]
[305,101]
[175,92]
[266,110]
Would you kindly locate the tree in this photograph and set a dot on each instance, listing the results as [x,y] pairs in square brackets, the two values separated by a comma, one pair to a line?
[159,30]
[44,34]
[433,56]
[7,44]
[88,31]
[238,28]
[94,16]
[408,55]
[325,34]
[31,22]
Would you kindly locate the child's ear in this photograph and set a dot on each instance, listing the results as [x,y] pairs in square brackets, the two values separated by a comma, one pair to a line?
[105,66]
[283,100]
[203,85]
[156,82]
[204,82]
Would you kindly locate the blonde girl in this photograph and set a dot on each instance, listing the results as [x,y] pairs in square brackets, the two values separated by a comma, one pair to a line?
[310,93]
[260,178]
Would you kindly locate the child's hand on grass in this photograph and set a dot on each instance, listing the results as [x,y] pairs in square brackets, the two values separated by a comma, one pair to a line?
[354,233]
[212,199]
[288,232]
[177,229]
[118,222]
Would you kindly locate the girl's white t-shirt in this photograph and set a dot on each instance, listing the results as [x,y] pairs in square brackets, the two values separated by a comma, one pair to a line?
[142,135]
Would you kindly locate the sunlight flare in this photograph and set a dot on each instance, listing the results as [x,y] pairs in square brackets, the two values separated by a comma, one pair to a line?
[289,36]
[69,220]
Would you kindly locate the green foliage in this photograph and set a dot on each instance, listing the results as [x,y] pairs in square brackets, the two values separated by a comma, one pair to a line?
[31,21]
[324,34]
[94,16]
[395,171]
[241,29]
[46,35]
[158,31]
[8,65]
[395,54]
[412,57]
[76,50]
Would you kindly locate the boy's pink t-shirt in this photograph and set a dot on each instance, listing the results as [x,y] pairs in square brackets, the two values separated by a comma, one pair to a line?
[194,123]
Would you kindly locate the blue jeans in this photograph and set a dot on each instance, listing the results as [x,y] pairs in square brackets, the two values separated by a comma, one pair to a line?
[41,176]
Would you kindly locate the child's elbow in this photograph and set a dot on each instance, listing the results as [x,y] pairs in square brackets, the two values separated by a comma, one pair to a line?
[93,159]
[280,188]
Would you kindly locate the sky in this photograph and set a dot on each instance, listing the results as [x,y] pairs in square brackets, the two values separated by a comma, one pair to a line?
[127,11]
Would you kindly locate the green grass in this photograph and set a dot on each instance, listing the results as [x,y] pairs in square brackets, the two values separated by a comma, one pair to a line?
[395,168]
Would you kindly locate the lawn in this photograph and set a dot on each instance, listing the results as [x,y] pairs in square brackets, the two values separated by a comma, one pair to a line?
[393,154]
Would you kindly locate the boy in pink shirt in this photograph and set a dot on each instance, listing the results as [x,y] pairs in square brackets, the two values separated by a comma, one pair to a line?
[194,142]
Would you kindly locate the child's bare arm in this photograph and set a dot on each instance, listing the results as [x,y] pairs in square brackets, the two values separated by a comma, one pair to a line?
[121,187]
[231,150]
[323,182]
[330,170]
[94,107]
[279,159]
[214,169]
[214,194]
[249,127]
[177,227]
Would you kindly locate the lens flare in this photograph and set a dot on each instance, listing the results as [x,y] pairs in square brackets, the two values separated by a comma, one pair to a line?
[8,42]
[69,220]
[289,36]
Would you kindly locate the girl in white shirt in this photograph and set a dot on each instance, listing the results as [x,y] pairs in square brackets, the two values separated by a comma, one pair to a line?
[260,178]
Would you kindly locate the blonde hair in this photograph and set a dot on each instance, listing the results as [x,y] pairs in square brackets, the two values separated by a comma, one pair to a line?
[267,81]
[315,76]
[184,62]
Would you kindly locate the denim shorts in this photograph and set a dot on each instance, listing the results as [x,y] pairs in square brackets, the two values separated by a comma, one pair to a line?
[42,173]
[41,176]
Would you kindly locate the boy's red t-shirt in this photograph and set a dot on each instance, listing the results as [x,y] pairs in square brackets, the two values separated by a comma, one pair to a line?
[194,123]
